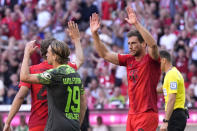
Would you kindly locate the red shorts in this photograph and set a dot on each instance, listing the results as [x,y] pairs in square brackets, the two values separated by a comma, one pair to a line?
[147,121]
[37,128]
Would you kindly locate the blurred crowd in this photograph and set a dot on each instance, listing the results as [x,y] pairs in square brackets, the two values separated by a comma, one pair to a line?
[172,23]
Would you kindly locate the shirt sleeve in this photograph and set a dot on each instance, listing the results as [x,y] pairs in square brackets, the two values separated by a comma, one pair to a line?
[28,85]
[155,61]
[45,77]
[173,84]
[122,58]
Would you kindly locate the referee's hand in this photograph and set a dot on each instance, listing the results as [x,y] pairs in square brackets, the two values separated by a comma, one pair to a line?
[164,127]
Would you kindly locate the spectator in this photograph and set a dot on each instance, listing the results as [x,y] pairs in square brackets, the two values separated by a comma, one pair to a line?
[87,8]
[168,40]
[108,6]
[73,12]
[184,36]
[105,82]
[192,71]
[5,74]
[12,89]
[182,61]
[192,94]
[117,100]
[58,22]
[29,25]
[85,77]
[120,72]
[7,17]
[94,87]
[2,92]
[193,47]
[100,126]
[43,17]
[102,101]
[23,125]
[90,99]
[4,31]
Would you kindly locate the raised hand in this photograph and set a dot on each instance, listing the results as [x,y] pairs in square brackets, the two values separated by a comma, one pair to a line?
[73,30]
[94,23]
[30,47]
[132,19]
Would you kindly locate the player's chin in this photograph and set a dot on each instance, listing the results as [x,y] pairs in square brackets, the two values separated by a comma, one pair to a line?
[49,62]
[133,53]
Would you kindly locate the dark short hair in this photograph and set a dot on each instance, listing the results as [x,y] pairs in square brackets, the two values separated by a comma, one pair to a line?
[99,118]
[44,46]
[61,50]
[137,34]
[165,54]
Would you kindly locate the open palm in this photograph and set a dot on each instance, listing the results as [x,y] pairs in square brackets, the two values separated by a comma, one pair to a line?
[94,23]
[73,30]
[132,19]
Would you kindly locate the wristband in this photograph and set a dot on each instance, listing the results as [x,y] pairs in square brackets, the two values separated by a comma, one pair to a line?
[165,121]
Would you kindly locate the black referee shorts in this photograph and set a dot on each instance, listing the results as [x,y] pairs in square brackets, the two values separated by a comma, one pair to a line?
[177,120]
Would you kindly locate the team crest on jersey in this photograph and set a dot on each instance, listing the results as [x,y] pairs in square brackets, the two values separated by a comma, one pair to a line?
[173,85]
[46,75]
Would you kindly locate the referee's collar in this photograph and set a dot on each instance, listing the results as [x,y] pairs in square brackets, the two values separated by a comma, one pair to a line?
[170,69]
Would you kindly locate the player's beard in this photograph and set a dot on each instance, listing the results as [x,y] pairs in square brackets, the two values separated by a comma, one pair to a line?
[137,53]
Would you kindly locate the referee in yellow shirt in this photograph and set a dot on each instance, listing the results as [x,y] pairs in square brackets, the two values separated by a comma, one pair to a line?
[174,93]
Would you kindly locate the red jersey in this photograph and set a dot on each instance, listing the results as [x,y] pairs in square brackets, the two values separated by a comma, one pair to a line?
[39,107]
[143,77]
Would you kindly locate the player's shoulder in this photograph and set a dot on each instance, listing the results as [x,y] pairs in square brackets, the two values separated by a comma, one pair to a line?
[128,57]
[37,65]
[63,69]
[148,57]
[125,55]
[32,67]
[40,67]
[173,73]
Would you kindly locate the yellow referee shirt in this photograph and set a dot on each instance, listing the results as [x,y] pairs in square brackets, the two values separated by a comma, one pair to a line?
[174,83]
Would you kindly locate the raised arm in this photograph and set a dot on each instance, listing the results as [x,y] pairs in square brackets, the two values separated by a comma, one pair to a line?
[74,34]
[25,76]
[100,47]
[152,45]
[18,100]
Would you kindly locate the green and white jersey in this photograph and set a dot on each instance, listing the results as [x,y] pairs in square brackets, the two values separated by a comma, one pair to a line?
[63,94]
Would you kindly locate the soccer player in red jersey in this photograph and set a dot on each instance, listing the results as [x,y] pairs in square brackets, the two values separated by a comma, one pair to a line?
[39,107]
[143,72]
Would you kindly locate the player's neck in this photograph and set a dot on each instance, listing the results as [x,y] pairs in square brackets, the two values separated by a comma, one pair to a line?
[168,67]
[55,65]
[138,58]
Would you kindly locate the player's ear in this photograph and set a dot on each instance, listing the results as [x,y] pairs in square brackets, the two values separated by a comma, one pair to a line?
[163,60]
[144,44]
